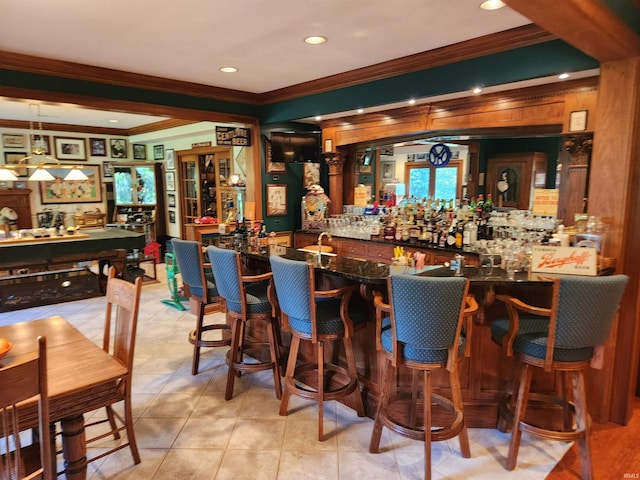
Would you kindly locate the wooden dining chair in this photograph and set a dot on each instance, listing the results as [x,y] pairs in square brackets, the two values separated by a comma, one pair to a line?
[204,298]
[123,301]
[24,381]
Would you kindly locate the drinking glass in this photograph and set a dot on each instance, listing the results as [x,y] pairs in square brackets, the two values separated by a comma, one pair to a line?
[486,264]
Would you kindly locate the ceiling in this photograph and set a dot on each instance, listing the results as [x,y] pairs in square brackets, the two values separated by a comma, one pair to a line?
[191,39]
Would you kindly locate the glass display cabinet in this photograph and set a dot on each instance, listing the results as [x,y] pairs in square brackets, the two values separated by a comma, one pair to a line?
[209,187]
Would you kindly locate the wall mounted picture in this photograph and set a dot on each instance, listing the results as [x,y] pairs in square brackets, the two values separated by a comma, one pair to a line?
[170,179]
[60,191]
[171,200]
[276,200]
[108,170]
[118,148]
[139,151]
[171,160]
[13,158]
[158,152]
[10,140]
[172,216]
[42,142]
[70,148]
[388,171]
[97,147]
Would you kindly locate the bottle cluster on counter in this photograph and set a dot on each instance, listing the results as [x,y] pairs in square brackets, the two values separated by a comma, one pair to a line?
[441,223]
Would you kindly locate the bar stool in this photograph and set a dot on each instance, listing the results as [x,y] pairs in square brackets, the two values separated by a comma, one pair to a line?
[245,300]
[579,321]
[203,297]
[318,317]
[424,332]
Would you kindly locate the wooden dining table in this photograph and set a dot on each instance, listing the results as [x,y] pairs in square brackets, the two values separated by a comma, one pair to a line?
[81,376]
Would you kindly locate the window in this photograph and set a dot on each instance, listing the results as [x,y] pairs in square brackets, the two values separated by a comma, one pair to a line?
[426,181]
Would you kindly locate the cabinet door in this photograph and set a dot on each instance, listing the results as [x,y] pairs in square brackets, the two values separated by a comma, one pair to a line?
[511,178]
[189,190]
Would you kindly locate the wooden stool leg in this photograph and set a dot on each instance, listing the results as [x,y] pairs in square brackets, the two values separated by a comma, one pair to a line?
[387,380]
[456,396]
[518,415]
[582,420]
[274,349]
[426,376]
[353,373]
[566,411]
[320,391]
[503,423]
[291,368]
[234,353]
[196,345]
[413,414]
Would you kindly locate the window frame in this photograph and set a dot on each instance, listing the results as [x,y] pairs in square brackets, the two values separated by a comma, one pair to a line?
[409,166]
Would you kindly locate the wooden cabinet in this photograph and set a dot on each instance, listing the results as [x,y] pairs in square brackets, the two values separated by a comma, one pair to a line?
[17,199]
[512,177]
[205,186]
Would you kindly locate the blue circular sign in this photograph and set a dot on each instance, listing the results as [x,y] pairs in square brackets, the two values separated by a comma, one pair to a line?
[439,155]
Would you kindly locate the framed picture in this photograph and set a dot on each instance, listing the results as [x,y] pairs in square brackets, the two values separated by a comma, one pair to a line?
[171,161]
[387,171]
[273,167]
[40,141]
[158,152]
[13,158]
[170,178]
[60,190]
[276,200]
[108,170]
[311,174]
[70,148]
[171,200]
[20,185]
[578,121]
[10,140]
[118,148]
[97,147]
[139,151]
[172,216]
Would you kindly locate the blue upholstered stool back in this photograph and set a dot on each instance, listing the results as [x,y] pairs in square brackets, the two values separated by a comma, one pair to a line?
[427,310]
[188,257]
[225,271]
[586,308]
[293,287]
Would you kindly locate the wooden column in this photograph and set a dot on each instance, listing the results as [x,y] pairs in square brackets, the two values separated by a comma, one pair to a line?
[336,165]
[614,195]
[574,176]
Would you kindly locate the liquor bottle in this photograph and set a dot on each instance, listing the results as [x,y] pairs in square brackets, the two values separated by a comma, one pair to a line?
[470,232]
[488,206]
[451,235]
[459,234]
[480,206]
[263,238]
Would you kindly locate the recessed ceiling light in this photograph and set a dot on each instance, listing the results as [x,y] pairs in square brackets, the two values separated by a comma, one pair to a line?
[315,40]
[113,120]
[318,117]
[229,69]
[360,110]
[492,4]
[477,90]
[412,101]
[563,76]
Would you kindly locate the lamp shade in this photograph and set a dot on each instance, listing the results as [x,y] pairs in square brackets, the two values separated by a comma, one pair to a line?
[41,175]
[76,174]
[7,175]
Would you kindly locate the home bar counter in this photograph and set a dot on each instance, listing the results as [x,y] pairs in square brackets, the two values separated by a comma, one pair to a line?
[483,375]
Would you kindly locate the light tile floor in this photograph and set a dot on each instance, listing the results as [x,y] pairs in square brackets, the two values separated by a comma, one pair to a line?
[186,430]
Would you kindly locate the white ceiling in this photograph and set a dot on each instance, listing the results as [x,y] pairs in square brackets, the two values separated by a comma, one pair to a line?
[190,40]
